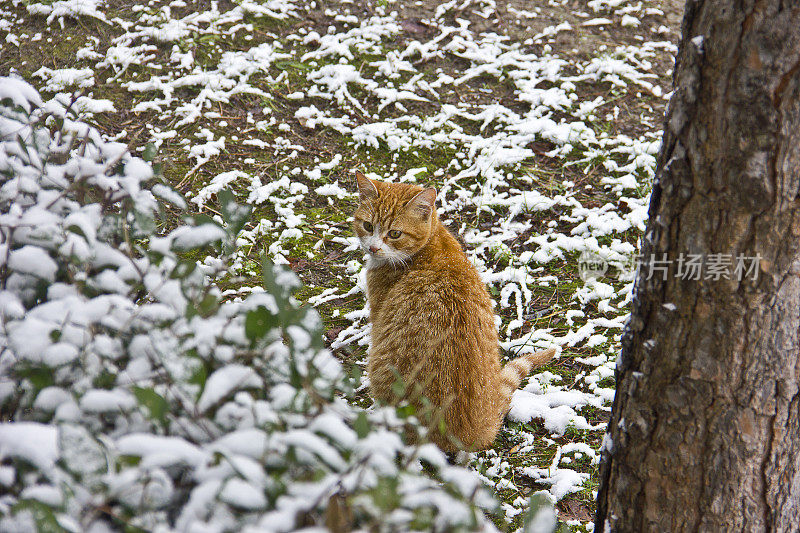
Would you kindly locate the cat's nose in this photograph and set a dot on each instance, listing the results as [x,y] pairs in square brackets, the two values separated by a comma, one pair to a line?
[373,248]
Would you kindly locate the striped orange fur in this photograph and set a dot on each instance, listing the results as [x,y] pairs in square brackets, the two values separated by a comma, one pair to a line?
[518,369]
[433,328]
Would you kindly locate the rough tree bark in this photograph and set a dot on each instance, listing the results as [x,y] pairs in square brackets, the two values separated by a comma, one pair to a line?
[705,429]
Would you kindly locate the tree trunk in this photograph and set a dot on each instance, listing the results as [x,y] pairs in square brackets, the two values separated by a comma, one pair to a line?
[705,429]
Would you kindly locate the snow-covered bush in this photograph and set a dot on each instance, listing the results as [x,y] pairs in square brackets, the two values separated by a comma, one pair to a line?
[133,397]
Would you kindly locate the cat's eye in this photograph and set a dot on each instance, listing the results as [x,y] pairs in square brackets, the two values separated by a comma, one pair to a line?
[368,227]
[394,234]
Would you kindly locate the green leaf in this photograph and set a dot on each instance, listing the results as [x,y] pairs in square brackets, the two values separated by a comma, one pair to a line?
[183,269]
[258,322]
[295,379]
[286,65]
[200,219]
[399,385]
[278,282]
[208,305]
[385,495]
[225,198]
[145,224]
[76,229]
[150,152]
[42,514]
[234,215]
[424,518]
[361,425]
[128,460]
[355,376]
[405,411]
[40,377]
[155,404]
[199,376]
[104,380]
[232,212]
[542,512]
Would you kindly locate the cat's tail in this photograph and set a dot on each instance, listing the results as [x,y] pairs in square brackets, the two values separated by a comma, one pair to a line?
[518,369]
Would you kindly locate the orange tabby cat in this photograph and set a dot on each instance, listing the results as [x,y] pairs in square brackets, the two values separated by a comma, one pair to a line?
[432,320]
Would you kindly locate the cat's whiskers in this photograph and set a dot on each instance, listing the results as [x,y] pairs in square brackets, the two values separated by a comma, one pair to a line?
[394,262]
[398,258]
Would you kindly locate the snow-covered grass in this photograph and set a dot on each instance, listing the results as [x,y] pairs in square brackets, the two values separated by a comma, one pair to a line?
[538,125]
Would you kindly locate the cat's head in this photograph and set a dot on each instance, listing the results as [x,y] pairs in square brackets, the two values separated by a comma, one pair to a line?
[393,220]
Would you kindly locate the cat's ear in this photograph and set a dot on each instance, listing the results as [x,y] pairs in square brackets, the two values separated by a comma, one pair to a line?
[422,203]
[366,187]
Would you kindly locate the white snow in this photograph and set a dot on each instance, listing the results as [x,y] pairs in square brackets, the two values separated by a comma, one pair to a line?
[187,238]
[223,382]
[31,441]
[63,78]
[161,451]
[240,493]
[33,260]
[101,401]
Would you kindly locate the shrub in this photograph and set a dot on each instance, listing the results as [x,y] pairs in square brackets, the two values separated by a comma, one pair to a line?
[134,397]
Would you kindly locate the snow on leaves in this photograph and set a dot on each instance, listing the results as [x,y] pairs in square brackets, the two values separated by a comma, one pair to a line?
[141,400]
